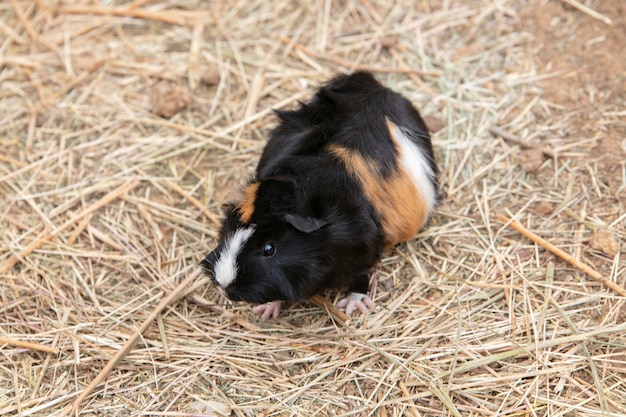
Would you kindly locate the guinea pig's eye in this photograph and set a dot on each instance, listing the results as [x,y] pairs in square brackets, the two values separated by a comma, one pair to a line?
[269,249]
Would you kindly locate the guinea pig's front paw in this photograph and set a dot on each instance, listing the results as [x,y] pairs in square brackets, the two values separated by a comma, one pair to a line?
[267,310]
[358,301]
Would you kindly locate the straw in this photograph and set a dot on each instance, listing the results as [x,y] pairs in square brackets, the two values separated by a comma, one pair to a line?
[106,209]
[563,255]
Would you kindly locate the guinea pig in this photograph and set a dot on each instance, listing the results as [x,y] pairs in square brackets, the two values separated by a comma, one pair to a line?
[343,177]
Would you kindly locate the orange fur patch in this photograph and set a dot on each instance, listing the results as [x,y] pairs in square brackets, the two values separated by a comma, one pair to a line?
[246,206]
[397,201]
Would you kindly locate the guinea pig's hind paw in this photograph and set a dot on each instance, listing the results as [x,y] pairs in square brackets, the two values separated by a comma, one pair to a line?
[267,310]
[356,301]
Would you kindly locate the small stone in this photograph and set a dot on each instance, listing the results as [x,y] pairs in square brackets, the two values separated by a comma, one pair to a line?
[544,208]
[210,77]
[389,41]
[41,118]
[531,159]
[604,241]
[167,98]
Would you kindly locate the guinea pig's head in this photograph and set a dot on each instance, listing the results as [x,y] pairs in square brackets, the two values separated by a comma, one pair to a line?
[269,249]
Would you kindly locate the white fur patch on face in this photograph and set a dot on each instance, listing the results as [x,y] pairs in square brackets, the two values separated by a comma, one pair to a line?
[226,266]
[416,164]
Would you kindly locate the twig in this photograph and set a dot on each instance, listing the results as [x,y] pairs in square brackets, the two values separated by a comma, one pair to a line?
[407,394]
[92,208]
[588,11]
[27,345]
[579,218]
[194,55]
[325,304]
[137,3]
[382,410]
[164,16]
[12,161]
[372,11]
[510,137]
[130,343]
[563,255]
[29,28]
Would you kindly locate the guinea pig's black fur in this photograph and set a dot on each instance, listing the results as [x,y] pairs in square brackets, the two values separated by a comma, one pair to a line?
[344,176]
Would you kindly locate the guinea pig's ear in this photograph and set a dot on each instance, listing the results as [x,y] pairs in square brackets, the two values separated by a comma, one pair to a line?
[305,224]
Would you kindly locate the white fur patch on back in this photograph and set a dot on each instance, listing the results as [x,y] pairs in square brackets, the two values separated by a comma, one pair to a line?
[416,164]
[226,266]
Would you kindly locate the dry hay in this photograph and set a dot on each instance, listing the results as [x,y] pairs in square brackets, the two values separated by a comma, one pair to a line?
[106,206]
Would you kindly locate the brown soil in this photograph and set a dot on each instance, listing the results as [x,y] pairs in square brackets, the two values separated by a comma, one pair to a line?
[590,56]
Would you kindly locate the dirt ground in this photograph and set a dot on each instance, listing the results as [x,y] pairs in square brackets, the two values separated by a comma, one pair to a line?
[590,55]
[590,91]
[125,125]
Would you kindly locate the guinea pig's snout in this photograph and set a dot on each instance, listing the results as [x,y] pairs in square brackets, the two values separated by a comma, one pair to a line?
[208,266]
